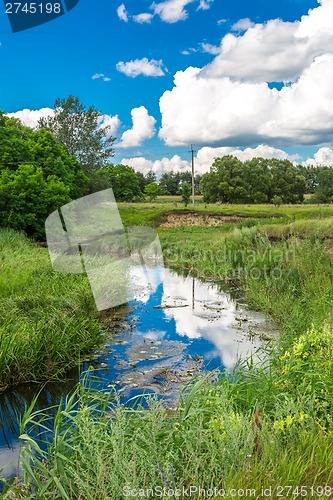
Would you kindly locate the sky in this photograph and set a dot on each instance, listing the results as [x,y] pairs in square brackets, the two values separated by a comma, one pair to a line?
[230,77]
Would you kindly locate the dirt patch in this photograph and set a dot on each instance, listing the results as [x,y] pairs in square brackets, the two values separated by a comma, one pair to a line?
[193,218]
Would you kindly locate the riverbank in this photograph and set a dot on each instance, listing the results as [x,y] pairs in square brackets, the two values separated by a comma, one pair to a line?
[48,319]
[269,426]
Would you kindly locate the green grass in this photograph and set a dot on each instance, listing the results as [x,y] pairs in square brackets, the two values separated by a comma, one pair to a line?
[48,321]
[147,213]
[216,437]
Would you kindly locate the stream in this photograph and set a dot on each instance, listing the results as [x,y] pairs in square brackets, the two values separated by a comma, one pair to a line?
[158,343]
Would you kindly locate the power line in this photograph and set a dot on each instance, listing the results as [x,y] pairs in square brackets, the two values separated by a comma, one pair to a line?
[192,155]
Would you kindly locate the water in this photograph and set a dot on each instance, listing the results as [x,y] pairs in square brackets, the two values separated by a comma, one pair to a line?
[158,343]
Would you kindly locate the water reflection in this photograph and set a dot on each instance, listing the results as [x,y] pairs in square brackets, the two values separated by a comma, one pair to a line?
[176,327]
[168,336]
[12,405]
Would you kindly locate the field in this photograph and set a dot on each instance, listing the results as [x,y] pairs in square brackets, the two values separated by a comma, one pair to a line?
[263,427]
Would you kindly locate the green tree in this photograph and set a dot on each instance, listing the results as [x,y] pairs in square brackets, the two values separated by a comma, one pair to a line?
[310,173]
[225,182]
[324,190]
[153,190]
[80,129]
[144,180]
[124,182]
[34,166]
[277,200]
[286,181]
[170,182]
[27,198]
[185,191]
[255,181]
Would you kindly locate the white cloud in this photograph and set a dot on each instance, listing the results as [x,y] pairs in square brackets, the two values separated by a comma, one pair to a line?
[30,117]
[189,51]
[203,160]
[277,50]
[122,13]
[324,156]
[207,155]
[145,17]
[141,67]
[205,4]
[109,121]
[243,24]
[174,164]
[209,48]
[143,128]
[171,11]
[101,75]
[228,102]
[221,21]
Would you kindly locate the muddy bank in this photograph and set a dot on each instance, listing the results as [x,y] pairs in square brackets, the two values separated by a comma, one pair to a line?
[177,218]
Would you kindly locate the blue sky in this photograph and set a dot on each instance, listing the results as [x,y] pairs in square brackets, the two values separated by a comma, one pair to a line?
[224,105]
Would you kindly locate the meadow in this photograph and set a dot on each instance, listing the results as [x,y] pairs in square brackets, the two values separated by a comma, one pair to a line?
[48,319]
[267,426]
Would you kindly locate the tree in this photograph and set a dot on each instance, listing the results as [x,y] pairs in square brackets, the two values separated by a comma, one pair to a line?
[170,182]
[286,181]
[37,175]
[185,191]
[310,173]
[225,182]
[81,131]
[144,180]
[152,190]
[124,182]
[256,181]
[277,200]
[27,198]
[324,190]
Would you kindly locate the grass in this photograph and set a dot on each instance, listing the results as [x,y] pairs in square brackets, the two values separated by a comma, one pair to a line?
[48,321]
[147,213]
[268,426]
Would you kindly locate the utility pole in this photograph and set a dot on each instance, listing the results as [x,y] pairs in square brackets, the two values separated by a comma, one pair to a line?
[192,153]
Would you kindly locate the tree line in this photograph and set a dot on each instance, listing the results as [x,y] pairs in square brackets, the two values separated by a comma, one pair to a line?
[69,155]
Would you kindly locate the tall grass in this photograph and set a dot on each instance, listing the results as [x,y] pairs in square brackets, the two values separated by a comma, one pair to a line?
[47,319]
[267,426]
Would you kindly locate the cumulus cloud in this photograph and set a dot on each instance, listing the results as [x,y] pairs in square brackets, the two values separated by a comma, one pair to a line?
[324,157]
[209,48]
[101,75]
[169,11]
[229,102]
[172,11]
[205,4]
[189,51]
[122,13]
[141,67]
[277,50]
[159,167]
[204,159]
[143,128]
[242,25]
[145,17]
[110,121]
[30,117]
[207,155]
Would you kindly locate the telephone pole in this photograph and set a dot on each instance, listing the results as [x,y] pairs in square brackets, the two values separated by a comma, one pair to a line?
[192,153]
